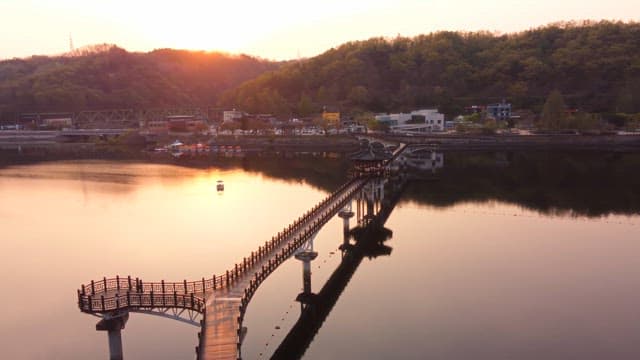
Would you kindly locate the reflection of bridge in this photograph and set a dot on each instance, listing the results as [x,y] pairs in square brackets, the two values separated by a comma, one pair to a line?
[223,299]
[369,237]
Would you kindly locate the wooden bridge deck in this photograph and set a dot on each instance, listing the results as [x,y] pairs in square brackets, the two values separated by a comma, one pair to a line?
[222,299]
[221,332]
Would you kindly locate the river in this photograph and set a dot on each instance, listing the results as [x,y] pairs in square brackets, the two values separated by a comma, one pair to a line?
[494,255]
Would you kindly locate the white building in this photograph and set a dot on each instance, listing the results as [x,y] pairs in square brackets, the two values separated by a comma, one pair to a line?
[433,119]
[425,120]
[231,115]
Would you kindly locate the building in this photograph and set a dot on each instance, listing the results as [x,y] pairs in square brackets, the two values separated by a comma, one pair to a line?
[156,127]
[45,120]
[57,123]
[474,109]
[433,119]
[185,123]
[232,115]
[332,118]
[499,111]
[175,123]
[425,120]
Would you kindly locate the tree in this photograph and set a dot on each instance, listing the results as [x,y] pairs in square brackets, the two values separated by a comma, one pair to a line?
[584,121]
[553,113]
[359,95]
[474,118]
[364,117]
[305,106]
[373,124]
[624,103]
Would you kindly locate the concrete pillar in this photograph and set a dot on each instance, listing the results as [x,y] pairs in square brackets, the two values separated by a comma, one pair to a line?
[115,344]
[113,326]
[306,257]
[346,214]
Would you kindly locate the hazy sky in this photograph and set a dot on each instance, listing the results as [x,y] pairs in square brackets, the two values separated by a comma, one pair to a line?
[274,29]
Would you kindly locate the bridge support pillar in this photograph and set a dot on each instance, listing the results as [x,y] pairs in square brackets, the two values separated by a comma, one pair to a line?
[114,325]
[306,257]
[346,214]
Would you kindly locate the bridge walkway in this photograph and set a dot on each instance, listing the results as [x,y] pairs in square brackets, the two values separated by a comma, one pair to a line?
[222,324]
[222,300]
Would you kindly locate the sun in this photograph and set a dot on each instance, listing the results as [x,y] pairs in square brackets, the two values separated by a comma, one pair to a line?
[222,26]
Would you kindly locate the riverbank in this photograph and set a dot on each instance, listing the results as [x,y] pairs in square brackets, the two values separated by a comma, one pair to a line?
[525,142]
[339,144]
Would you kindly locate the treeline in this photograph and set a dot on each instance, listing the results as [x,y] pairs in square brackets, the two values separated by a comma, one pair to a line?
[595,65]
[108,77]
[564,183]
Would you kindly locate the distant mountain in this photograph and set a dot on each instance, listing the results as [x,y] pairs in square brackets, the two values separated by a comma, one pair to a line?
[107,77]
[595,65]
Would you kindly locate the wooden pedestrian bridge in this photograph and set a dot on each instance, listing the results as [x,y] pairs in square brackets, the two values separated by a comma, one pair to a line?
[218,303]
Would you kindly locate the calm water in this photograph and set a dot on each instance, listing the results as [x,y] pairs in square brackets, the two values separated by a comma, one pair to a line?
[505,256]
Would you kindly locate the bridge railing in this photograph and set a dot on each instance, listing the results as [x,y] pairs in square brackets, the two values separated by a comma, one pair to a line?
[284,253]
[132,301]
[306,225]
[247,264]
[110,286]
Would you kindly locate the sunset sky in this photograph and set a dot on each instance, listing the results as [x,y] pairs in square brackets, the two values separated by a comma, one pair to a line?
[275,29]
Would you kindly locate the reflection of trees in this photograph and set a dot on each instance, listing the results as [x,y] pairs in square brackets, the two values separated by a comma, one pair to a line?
[584,183]
[581,183]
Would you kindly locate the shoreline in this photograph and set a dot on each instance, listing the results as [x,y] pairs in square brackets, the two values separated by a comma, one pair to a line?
[346,144]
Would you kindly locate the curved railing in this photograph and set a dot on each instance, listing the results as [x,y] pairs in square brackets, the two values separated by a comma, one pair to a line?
[113,294]
[110,285]
[132,301]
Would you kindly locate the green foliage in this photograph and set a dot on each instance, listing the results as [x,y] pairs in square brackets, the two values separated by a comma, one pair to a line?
[474,118]
[595,64]
[109,77]
[490,126]
[554,112]
[305,106]
[592,63]
[374,125]
[584,121]
[364,118]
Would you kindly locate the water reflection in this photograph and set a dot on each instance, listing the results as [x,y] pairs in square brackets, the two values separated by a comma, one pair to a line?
[369,237]
[168,223]
[558,183]
[467,278]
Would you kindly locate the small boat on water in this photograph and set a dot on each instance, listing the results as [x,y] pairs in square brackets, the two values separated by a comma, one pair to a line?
[220,185]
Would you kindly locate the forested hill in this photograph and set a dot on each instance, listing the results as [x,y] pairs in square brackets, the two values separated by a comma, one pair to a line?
[596,66]
[107,77]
